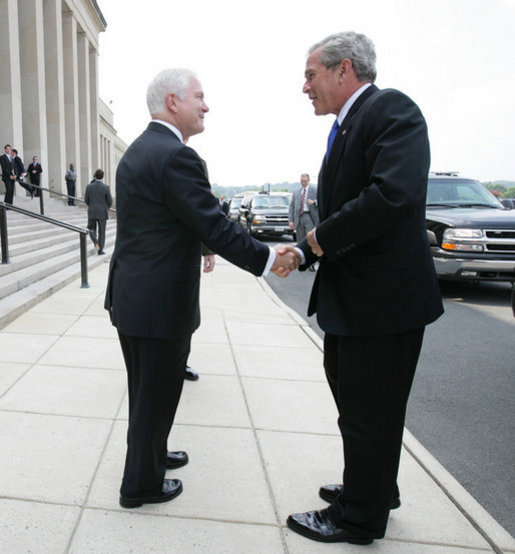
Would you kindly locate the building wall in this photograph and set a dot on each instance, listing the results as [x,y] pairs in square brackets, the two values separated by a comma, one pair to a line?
[112,146]
[49,104]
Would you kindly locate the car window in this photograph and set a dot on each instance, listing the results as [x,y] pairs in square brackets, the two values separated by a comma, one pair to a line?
[459,191]
[260,202]
[235,203]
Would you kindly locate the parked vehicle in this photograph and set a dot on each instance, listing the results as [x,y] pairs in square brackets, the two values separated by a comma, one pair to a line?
[266,214]
[508,202]
[471,233]
[234,207]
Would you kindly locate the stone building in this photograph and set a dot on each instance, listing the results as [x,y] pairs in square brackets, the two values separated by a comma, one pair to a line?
[49,104]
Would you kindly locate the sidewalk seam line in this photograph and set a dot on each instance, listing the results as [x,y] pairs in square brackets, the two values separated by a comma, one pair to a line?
[83,506]
[257,442]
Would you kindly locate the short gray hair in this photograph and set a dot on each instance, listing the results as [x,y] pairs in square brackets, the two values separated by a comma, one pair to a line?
[165,82]
[358,48]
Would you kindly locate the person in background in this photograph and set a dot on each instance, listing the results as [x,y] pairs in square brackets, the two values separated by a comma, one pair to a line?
[19,170]
[8,174]
[71,178]
[35,170]
[303,213]
[98,199]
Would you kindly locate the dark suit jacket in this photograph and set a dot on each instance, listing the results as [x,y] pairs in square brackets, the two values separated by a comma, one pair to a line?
[99,200]
[164,210]
[7,167]
[377,275]
[19,168]
[34,177]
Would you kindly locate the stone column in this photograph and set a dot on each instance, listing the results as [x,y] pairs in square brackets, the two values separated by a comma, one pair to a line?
[52,19]
[71,94]
[10,81]
[32,63]
[93,94]
[85,171]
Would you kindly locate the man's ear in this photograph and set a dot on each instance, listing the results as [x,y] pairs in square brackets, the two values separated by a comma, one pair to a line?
[171,102]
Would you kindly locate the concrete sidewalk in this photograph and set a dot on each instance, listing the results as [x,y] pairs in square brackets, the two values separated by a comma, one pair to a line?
[259,426]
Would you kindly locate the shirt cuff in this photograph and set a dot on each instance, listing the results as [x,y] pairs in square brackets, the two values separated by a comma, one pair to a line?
[270,262]
[302,257]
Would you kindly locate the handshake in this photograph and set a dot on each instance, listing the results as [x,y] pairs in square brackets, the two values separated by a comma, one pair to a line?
[288,259]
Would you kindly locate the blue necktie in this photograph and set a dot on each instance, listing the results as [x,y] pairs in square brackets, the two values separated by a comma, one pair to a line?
[330,140]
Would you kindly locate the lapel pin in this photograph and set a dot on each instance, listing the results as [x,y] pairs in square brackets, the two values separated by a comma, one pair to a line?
[344,131]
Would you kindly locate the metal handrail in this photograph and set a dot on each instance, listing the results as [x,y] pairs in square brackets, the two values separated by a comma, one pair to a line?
[41,204]
[83,233]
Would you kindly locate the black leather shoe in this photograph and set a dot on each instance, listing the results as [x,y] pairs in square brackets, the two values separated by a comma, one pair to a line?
[176,459]
[101,252]
[190,374]
[318,526]
[330,493]
[171,489]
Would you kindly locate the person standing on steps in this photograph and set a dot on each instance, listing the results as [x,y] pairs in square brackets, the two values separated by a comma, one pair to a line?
[98,199]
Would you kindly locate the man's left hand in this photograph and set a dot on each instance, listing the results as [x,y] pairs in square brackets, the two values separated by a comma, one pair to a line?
[209,263]
[312,241]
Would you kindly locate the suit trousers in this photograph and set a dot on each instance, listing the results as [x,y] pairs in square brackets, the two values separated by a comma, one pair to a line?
[92,227]
[70,187]
[304,227]
[370,378]
[9,191]
[155,375]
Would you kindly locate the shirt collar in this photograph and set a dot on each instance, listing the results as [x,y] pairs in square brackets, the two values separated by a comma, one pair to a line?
[348,105]
[171,127]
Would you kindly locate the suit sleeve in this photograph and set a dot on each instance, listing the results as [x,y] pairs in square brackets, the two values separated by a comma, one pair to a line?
[396,161]
[188,196]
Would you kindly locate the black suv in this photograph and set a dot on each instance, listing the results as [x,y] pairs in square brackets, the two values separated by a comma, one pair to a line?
[266,214]
[472,235]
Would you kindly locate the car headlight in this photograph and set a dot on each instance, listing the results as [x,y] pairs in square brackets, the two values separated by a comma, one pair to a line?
[258,219]
[463,240]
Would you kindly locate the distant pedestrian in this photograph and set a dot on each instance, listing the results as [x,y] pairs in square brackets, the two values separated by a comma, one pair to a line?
[8,174]
[19,171]
[99,200]
[71,178]
[35,170]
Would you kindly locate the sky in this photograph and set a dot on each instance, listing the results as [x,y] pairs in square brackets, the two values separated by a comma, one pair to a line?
[454,58]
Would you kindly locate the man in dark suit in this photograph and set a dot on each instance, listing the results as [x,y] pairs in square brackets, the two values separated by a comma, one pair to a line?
[376,287]
[98,199]
[165,210]
[35,170]
[8,174]
[19,170]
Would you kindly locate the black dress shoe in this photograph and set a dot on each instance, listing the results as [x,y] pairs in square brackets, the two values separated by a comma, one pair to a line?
[330,493]
[101,252]
[176,459]
[318,526]
[190,374]
[171,489]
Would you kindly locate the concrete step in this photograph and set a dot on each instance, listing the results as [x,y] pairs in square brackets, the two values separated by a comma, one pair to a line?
[17,303]
[20,260]
[43,256]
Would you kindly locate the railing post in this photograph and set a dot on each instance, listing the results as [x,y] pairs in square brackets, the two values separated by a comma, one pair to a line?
[3,235]
[41,202]
[83,261]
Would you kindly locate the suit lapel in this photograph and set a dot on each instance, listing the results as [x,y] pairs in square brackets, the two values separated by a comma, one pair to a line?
[329,167]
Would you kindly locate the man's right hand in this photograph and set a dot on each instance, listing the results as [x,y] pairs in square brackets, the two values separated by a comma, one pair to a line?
[287,260]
